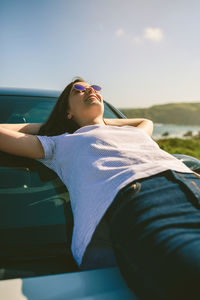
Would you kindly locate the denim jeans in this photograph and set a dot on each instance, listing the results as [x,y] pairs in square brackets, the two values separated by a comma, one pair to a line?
[155,232]
[99,253]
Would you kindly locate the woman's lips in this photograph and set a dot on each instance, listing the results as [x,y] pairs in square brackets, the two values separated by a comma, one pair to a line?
[92,97]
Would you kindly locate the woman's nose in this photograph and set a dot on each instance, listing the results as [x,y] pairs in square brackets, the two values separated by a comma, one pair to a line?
[90,88]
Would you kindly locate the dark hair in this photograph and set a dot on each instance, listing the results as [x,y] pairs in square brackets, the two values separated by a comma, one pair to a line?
[58,123]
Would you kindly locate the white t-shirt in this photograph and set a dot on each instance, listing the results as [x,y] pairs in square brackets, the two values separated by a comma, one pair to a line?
[94,163]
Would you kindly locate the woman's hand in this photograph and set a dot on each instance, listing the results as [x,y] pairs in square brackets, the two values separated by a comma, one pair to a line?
[29,128]
[18,143]
[144,124]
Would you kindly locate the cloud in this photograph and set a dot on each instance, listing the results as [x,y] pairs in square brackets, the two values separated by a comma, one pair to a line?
[153,34]
[119,32]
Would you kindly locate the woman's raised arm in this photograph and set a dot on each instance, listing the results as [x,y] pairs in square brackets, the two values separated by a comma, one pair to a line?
[144,124]
[22,144]
[30,128]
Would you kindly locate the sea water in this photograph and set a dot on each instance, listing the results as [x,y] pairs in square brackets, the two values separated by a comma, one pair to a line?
[173,130]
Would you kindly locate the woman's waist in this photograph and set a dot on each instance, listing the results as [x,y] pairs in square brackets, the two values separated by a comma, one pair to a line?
[148,184]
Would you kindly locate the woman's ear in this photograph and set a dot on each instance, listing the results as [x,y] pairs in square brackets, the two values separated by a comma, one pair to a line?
[69,116]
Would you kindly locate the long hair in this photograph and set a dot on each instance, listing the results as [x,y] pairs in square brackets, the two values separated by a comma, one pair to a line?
[58,123]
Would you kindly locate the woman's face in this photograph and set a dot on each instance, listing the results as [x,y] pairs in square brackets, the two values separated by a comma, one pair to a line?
[85,107]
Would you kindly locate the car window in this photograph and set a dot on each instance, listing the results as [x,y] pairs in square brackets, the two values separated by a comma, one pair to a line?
[16,109]
[38,203]
[108,113]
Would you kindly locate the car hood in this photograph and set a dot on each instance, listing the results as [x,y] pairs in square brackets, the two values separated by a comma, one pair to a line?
[96,284]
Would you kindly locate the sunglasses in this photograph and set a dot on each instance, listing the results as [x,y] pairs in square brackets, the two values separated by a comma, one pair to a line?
[82,88]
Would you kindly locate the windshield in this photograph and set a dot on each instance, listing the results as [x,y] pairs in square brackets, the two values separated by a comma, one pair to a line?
[23,109]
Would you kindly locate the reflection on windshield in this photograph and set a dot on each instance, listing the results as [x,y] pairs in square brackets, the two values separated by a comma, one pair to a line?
[25,109]
[26,200]
[16,109]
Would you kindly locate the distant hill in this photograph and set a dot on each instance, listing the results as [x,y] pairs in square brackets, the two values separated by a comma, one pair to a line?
[172,113]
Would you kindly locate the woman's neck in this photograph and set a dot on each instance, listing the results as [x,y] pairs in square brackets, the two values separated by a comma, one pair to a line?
[94,122]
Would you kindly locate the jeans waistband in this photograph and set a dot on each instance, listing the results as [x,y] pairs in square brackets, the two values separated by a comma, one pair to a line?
[134,187]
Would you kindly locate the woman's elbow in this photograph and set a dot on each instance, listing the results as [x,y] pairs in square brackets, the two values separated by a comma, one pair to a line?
[147,125]
[150,127]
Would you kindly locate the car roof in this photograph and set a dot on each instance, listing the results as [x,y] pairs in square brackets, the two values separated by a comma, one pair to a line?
[29,92]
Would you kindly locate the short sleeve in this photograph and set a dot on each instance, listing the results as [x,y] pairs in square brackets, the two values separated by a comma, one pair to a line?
[49,146]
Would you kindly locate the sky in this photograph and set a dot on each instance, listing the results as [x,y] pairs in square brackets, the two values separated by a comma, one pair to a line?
[141,52]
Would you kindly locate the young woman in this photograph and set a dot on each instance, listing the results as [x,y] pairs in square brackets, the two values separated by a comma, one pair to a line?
[119,179]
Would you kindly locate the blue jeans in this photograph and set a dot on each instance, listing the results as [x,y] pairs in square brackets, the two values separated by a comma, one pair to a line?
[99,253]
[155,232]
